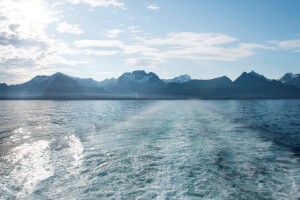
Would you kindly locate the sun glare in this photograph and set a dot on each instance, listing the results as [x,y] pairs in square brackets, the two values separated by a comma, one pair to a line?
[35,11]
[30,17]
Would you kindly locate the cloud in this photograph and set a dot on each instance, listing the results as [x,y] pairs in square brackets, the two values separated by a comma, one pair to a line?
[18,64]
[112,33]
[135,29]
[200,46]
[156,51]
[210,53]
[98,43]
[11,52]
[100,53]
[293,44]
[21,56]
[138,48]
[184,45]
[102,3]
[58,59]
[64,27]
[26,48]
[153,7]
[142,62]
[191,39]
[24,19]
[115,44]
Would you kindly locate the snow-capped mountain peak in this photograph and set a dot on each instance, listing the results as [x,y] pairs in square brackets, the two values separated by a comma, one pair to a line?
[138,77]
[179,79]
[291,79]
[288,77]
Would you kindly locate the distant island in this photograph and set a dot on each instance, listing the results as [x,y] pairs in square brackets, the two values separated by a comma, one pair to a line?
[142,85]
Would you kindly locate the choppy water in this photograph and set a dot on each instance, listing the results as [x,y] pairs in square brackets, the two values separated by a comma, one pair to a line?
[150,149]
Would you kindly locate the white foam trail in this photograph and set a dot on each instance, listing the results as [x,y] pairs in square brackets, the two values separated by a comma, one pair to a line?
[31,165]
[75,147]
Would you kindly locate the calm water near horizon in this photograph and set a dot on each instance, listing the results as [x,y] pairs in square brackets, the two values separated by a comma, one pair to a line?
[197,149]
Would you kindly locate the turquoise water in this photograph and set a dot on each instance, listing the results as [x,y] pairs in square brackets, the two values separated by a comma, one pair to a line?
[150,149]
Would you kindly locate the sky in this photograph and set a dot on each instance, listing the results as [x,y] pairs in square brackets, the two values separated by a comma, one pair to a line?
[101,39]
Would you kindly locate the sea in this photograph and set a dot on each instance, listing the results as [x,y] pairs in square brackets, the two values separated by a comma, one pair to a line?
[150,149]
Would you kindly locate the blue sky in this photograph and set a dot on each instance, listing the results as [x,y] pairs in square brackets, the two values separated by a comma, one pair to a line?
[104,38]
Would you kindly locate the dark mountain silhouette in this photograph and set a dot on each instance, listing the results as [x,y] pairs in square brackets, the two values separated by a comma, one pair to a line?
[142,85]
[35,86]
[3,88]
[108,83]
[87,82]
[214,88]
[253,85]
[63,84]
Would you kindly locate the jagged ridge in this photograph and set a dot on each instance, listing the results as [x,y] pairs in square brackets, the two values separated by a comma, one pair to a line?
[141,85]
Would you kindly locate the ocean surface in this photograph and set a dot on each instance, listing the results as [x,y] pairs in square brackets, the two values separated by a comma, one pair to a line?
[150,149]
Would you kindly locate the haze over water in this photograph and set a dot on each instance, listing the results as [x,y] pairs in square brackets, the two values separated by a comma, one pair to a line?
[150,149]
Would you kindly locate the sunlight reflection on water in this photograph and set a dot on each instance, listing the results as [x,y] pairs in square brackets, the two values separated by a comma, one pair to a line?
[31,165]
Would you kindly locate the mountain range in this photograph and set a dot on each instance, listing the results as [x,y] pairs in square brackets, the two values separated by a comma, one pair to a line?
[141,85]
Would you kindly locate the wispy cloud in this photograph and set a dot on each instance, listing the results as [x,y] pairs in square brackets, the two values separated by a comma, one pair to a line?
[293,44]
[116,44]
[134,29]
[200,46]
[191,39]
[18,64]
[99,43]
[100,53]
[153,7]
[112,33]
[103,3]
[142,62]
[156,51]
[64,27]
